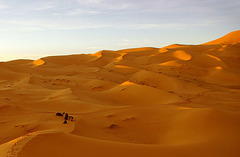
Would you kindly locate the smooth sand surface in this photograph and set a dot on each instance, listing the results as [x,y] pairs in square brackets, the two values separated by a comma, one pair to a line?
[179,100]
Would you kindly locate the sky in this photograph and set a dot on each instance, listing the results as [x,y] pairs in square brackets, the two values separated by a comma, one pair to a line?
[31,29]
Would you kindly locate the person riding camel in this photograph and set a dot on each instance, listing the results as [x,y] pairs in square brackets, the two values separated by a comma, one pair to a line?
[66,116]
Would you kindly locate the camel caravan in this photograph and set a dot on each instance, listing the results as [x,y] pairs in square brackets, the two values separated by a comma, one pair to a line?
[66,116]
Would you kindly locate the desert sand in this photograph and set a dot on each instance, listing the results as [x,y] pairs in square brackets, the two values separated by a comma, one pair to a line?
[179,100]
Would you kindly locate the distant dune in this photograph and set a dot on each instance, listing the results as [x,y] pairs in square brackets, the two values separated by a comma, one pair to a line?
[179,100]
[231,38]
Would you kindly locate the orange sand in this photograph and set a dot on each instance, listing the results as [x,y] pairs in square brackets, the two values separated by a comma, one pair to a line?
[180,100]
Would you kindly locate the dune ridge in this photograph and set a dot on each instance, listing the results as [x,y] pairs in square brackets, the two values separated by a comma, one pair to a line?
[179,100]
[231,38]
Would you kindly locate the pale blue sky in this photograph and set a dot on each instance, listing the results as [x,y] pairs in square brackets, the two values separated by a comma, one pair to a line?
[38,28]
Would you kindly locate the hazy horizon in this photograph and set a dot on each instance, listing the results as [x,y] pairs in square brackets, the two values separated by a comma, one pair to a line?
[33,29]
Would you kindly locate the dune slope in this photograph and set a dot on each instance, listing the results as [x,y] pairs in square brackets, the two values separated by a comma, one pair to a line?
[179,100]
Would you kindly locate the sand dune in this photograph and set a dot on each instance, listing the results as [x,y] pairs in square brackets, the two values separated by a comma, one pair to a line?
[179,100]
[231,38]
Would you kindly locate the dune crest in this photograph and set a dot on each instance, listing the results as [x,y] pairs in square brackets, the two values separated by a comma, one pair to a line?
[127,83]
[231,38]
[182,55]
[179,100]
[38,62]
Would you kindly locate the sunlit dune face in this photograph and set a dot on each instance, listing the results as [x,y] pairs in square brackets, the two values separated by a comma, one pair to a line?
[122,66]
[15,140]
[21,138]
[231,38]
[38,62]
[98,54]
[218,68]
[224,46]
[170,63]
[214,57]
[163,50]
[118,59]
[182,55]
[127,83]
